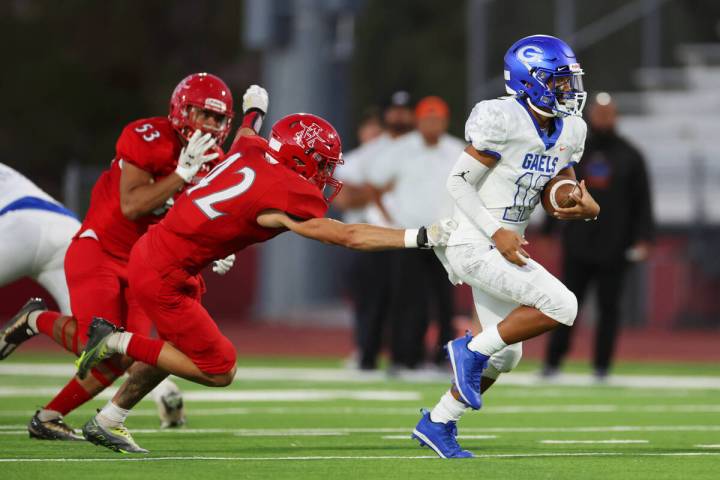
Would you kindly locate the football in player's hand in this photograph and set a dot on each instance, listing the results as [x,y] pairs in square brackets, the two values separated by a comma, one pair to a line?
[556,193]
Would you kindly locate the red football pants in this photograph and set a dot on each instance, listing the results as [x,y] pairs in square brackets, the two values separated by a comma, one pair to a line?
[98,286]
[172,300]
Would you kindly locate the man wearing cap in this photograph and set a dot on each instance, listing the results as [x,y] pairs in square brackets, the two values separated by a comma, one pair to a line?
[415,165]
[359,202]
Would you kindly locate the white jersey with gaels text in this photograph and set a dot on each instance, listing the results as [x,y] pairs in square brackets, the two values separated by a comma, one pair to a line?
[527,158]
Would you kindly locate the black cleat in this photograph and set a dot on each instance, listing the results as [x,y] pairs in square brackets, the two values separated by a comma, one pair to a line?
[55,429]
[17,330]
[96,349]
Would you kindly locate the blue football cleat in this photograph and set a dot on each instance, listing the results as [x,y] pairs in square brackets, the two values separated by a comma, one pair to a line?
[467,369]
[441,437]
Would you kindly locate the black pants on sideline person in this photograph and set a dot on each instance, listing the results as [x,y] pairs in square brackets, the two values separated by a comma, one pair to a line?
[370,286]
[609,280]
[419,283]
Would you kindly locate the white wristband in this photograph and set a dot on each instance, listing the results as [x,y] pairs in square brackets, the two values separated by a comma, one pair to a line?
[411,235]
[186,173]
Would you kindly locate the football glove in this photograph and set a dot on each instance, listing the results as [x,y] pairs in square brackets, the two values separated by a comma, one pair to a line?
[195,154]
[255,98]
[222,266]
[438,233]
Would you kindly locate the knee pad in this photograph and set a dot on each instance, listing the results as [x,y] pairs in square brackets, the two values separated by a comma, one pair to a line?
[504,361]
[561,306]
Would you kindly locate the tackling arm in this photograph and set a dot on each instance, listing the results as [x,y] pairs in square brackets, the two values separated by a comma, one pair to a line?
[356,236]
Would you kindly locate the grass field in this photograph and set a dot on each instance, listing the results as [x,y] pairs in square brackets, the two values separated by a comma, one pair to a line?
[286,418]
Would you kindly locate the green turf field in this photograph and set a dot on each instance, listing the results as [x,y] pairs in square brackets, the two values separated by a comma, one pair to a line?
[341,425]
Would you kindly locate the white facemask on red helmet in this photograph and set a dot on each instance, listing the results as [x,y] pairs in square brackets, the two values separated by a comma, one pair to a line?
[203,91]
[310,146]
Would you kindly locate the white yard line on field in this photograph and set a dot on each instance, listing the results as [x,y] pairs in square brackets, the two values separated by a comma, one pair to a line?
[354,376]
[709,446]
[348,457]
[590,442]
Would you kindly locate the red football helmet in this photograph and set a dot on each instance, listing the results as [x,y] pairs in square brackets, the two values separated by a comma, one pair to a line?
[310,146]
[206,92]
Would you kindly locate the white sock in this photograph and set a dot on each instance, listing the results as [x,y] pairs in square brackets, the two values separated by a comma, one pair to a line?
[448,409]
[119,341]
[487,342]
[32,321]
[46,415]
[111,415]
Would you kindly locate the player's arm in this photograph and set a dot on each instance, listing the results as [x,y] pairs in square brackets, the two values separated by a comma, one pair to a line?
[255,107]
[586,208]
[140,195]
[470,169]
[358,236]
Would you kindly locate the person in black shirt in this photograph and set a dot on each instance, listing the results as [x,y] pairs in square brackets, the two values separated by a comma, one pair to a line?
[600,251]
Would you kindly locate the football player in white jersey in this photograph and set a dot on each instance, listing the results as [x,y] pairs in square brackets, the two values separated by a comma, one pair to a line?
[517,144]
[35,231]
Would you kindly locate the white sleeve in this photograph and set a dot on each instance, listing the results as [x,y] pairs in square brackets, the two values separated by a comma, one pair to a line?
[486,128]
[462,184]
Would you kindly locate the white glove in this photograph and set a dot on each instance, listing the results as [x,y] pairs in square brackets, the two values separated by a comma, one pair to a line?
[439,232]
[222,266]
[194,155]
[255,97]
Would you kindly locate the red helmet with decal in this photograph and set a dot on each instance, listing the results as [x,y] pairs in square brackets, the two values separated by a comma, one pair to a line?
[202,101]
[310,146]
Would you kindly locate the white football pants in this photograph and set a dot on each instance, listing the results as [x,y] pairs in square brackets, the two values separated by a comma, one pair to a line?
[33,244]
[499,287]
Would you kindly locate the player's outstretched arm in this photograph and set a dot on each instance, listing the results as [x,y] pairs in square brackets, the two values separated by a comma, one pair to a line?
[359,236]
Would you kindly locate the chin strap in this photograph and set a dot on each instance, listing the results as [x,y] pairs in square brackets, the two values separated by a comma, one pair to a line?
[540,111]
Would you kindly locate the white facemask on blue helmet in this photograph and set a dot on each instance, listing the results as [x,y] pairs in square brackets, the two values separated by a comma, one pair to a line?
[546,71]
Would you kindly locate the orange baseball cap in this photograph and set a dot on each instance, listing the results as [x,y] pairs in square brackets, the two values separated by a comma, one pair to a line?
[432,106]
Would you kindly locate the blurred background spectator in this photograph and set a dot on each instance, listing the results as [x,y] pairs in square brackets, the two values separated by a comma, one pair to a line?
[416,166]
[369,272]
[597,253]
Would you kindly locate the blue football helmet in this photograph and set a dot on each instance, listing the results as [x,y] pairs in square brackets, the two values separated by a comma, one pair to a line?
[546,71]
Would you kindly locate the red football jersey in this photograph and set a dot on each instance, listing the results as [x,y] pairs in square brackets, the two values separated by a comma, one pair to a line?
[218,216]
[150,144]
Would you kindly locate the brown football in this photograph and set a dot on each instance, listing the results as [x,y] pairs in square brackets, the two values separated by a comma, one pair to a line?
[556,193]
